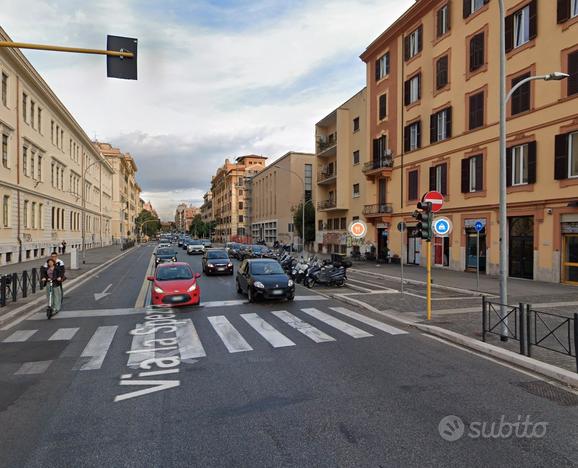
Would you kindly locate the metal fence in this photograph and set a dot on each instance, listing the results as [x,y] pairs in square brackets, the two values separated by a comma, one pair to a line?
[127,245]
[531,328]
[16,286]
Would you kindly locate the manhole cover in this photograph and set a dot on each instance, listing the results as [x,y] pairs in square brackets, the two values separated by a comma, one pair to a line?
[550,392]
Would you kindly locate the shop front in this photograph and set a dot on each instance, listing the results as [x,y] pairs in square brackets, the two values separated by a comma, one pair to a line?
[413,246]
[382,241]
[472,242]
[570,252]
[521,247]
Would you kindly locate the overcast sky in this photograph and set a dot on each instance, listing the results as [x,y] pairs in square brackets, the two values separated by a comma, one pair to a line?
[217,78]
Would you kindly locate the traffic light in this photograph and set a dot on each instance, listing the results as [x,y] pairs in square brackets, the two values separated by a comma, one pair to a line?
[424,227]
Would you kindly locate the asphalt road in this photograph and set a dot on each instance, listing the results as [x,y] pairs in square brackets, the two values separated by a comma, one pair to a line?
[308,383]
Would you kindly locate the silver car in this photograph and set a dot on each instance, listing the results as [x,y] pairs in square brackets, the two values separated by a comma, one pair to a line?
[195,247]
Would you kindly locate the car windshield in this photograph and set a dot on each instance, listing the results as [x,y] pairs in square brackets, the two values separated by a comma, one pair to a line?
[266,268]
[217,254]
[195,242]
[165,252]
[175,272]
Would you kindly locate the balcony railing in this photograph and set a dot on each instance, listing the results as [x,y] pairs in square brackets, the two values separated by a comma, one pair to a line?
[327,204]
[377,209]
[327,173]
[324,143]
[382,163]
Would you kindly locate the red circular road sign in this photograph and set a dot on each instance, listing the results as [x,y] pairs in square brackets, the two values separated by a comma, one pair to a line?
[436,199]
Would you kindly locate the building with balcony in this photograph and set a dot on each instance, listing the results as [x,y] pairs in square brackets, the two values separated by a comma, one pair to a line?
[433,93]
[342,190]
[275,193]
[207,208]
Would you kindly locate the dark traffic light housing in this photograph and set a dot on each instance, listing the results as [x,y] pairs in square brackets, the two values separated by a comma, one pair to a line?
[424,218]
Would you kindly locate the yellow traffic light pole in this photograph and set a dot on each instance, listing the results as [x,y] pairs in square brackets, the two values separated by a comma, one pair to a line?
[24,45]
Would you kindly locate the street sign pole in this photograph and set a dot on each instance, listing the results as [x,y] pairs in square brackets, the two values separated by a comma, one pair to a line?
[428,280]
[401,260]
[478,261]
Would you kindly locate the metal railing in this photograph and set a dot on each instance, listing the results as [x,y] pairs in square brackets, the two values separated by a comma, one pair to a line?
[327,204]
[326,142]
[14,286]
[378,208]
[326,174]
[127,245]
[382,163]
[531,328]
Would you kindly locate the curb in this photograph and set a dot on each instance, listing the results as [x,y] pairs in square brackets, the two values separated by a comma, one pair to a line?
[558,374]
[11,318]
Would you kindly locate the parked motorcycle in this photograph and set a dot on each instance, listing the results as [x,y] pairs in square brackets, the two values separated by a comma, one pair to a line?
[325,274]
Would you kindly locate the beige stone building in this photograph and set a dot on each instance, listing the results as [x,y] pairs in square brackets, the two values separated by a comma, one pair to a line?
[275,192]
[207,208]
[435,73]
[49,171]
[184,215]
[342,192]
[126,192]
[229,198]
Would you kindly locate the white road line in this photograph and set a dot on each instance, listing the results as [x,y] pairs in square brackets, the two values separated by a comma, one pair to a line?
[274,337]
[138,344]
[142,295]
[229,335]
[233,302]
[190,346]
[96,349]
[307,329]
[336,323]
[369,321]
[20,336]
[63,334]
[311,298]
[29,368]
[87,313]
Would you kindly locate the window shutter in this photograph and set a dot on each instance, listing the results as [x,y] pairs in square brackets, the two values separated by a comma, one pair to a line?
[387,63]
[533,19]
[573,72]
[532,162]
[561,157]
[418,134]
[439,23]
[406,138]
[406,92]
[509,31]
[509,167]
[467,8]
[465,175]
[433,128]
[449,122]
[412,186]
[382,106]
[444,186]
[439,83]
[377,70]
[406,48]
[472,53]
[419,86]
[449,15]
[419,38]
[432,178]
[479,173]
[563,11]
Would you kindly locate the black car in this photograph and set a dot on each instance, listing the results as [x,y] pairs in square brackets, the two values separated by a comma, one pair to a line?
[242,252]
[216,261]
[264,278]
[258,251]
[165,255]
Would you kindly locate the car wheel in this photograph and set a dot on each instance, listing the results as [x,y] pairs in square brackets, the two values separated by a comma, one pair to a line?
[250,295]
[340,283]
[291,297]
[239,290]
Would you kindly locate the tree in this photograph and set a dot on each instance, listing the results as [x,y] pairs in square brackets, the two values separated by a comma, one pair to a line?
[309,220]
[198,227]
[147,223]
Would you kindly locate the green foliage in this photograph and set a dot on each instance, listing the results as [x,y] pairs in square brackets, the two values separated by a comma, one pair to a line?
[309,220]
[147,223]
[201,229]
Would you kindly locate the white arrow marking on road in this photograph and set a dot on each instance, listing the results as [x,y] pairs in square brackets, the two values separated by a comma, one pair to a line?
[99,296]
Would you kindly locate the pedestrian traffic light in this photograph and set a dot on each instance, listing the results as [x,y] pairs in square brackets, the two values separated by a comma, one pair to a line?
[424,227]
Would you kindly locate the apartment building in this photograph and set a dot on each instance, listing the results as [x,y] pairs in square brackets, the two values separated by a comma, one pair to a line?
[125,192]
[50,173]
[276,192]
[438,66]
[184,215]
[345,185]
[229,197]
[207,208]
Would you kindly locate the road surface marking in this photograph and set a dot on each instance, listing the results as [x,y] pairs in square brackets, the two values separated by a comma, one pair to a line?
[229,335]
[336,323]
[307,329]
[96,349]
[138,343]
[29,368]
[154,386]
[190,345]
[274,337]
[88,313]
[20,335]
[142,295]
[63,334]
[311,298]
[233,302]
[369,321]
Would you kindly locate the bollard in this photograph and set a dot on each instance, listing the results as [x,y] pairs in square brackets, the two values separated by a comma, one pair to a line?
[74,258]
[14,287]
[34,278]
[522,327]
[576,338]
[529,329]
[484,313]
[25,284]
[3,285]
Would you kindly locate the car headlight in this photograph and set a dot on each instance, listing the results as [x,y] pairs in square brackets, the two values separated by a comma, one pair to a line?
[158,290]
[229,264]
[210,265]
[192,288]
[290,283]
[174,259]
[259,285]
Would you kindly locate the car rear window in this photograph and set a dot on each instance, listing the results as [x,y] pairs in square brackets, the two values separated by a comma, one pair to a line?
[175,272]
[165,252]
[217,254]
[266,268]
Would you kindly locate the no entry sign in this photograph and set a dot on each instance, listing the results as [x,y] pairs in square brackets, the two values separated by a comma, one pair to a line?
[436,199]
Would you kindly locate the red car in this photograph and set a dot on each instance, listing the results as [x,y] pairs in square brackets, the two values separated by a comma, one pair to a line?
[174,284]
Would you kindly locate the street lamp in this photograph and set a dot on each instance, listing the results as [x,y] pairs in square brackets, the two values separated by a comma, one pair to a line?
[140,226]
[503,215]
[302,206]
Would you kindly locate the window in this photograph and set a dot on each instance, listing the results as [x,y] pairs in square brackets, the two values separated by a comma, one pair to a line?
[521,26]
[25,214]
[24,107]
[32,167]
[25,160]
[471,6]
[566,156]
[477,55]
[441,125]
[476,111]
[343,224]
[413,43]
[472,174]
[572,80]
[5,212]
[356,157]
[380,150]
[355,190]
[320,225]
[40,214]
[438,176]
[4,89]
[412,136]
[521,164]
[33,215]
[412,89]
[61,138]
[412,185]
[329,224]
[39,167]
[5,150]
[521,97]
[442,72]
[382,66]
[567,9]
[240,218]
[442,21]
[382,106]
[32,113]
[40,120]
[356,124]
[308,181]
[240,205]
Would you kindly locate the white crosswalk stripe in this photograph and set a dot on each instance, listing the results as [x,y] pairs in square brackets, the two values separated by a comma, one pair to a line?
[303,327]
[138,350]
[95,351]
[336,323]
[190,346]
[274,337]
[369,321]
[31,368]
[19,336]
[63,334]
[229,335]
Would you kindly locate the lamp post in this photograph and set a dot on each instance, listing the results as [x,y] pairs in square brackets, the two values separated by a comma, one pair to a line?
[302,206]
[140,226]
[503,215]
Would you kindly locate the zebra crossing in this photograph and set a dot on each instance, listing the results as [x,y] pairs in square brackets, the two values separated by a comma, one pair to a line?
[272,327]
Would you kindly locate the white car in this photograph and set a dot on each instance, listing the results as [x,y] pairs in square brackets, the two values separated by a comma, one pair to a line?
[163,245]
[195,247]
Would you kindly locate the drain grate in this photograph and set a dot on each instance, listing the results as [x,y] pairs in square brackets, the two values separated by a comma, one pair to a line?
[550,392]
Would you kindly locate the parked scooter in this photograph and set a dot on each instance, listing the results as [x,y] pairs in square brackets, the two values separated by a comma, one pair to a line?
[325,274]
